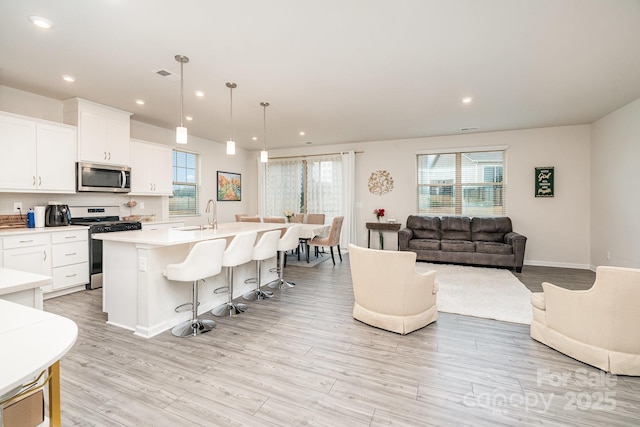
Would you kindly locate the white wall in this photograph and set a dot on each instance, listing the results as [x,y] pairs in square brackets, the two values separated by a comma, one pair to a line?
[213,159]
[615,178]
[557,228]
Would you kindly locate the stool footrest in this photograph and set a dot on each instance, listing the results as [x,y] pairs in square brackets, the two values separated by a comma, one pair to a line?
[187,306]
[221,290]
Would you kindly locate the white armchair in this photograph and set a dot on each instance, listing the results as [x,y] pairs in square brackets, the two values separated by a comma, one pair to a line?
[599,326]
[389,293]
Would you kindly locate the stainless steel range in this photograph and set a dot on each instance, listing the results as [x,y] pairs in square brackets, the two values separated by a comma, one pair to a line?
[100,219]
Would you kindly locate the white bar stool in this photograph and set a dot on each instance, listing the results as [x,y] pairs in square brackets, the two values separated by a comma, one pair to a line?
[204,260]
[237,253]
[286,243]
[267,247]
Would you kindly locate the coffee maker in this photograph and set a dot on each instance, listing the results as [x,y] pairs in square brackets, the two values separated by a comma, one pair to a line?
[57,215]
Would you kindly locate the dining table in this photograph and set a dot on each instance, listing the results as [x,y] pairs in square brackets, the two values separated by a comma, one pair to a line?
[307,233]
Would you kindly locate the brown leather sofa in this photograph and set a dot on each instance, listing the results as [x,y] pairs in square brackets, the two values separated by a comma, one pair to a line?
[464,240]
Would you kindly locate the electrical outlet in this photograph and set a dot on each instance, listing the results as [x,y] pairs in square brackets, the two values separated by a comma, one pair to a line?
[142,263]
[141,205]
[17,207]
[608,254]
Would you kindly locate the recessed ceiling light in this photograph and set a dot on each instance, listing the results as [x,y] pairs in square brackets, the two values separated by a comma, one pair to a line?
[302,133]
[467,99]
[254,138]
[68,78]
[199,93]
[140,101]
[41,22]
[188,118]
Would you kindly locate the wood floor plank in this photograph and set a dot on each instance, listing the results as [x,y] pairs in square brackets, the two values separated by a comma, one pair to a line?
[300,358]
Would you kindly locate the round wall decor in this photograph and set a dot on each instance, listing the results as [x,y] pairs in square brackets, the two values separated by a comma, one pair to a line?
[380,182]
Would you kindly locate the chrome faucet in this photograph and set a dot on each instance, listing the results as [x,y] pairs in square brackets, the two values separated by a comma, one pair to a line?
[213,220]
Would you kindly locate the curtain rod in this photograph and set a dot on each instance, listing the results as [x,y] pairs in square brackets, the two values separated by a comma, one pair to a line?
[313,155]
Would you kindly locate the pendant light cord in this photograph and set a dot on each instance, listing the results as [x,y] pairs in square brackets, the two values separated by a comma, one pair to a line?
[264,121]
[181,92]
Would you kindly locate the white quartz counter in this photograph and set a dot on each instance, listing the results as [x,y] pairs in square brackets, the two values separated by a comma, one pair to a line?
[25,230]
[15,281]
[22,287]
[31,341]
[183,235]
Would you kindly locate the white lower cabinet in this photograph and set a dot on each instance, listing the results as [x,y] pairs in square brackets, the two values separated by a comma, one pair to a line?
[70,258]
[64,255]
[162,225]
[30,253]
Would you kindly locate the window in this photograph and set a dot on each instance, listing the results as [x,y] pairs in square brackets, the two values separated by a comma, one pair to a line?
[470,183]
[185,199]
[305,186]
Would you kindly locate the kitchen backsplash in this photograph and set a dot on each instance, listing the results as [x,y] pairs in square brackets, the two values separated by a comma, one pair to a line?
[152,205]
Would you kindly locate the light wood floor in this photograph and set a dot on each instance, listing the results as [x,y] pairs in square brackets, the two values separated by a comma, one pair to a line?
[301,359]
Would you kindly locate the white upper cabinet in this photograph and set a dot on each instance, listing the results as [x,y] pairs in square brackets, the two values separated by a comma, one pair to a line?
[103,132]
[151,169]
[38,155]
[18,160]
[56,158]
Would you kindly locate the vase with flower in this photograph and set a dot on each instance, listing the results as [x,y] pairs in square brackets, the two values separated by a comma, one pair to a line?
[288,213]
[379,213]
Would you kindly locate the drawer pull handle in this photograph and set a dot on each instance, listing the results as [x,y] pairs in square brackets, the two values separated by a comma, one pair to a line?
[26,241]
[71,254]
[71,275]
[71,237]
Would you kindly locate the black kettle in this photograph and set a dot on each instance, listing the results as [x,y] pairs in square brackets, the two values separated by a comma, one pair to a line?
[57,215]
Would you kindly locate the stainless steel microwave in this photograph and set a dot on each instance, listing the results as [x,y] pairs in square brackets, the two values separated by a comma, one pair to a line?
[103,178]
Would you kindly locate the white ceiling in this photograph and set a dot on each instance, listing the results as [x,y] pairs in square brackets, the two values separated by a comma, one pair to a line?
[341,70]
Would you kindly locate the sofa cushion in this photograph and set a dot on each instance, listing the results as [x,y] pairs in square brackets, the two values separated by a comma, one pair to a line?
[455,228]
[457,246]
[424,244]
[490,229]
[424,227]
[493,248]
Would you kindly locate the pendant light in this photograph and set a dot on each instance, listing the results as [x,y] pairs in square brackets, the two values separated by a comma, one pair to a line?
[181,131]
[264,155]
[231,144]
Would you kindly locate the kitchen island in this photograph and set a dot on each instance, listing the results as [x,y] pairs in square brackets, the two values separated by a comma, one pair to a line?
[137,296]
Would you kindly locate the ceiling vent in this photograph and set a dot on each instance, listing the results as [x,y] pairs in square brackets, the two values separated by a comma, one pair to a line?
[469,129]
[167,75]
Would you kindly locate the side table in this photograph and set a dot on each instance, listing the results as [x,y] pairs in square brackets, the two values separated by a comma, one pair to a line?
[381,226]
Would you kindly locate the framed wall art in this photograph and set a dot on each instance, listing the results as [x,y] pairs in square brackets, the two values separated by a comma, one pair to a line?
[544,181]
[229,186]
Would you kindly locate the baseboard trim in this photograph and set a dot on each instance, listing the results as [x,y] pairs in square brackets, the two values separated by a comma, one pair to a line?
[559,264]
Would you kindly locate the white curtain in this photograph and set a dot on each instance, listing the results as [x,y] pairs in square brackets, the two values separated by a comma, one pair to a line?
[284,191]
[324,186]
[349,229]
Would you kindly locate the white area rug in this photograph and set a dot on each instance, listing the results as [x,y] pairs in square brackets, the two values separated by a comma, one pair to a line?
[491,293]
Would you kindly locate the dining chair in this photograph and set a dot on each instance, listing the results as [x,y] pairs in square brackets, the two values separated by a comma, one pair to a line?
[297,218]
[238,216]
[315,219]
[250,219]
[333,239]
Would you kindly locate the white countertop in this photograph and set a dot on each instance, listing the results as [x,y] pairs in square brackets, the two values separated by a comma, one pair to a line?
[182,235]
[12,231]
[15,281]
[31,340]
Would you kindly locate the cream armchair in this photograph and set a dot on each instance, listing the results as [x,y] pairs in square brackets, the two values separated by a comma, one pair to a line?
[599,326]
[389,293]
